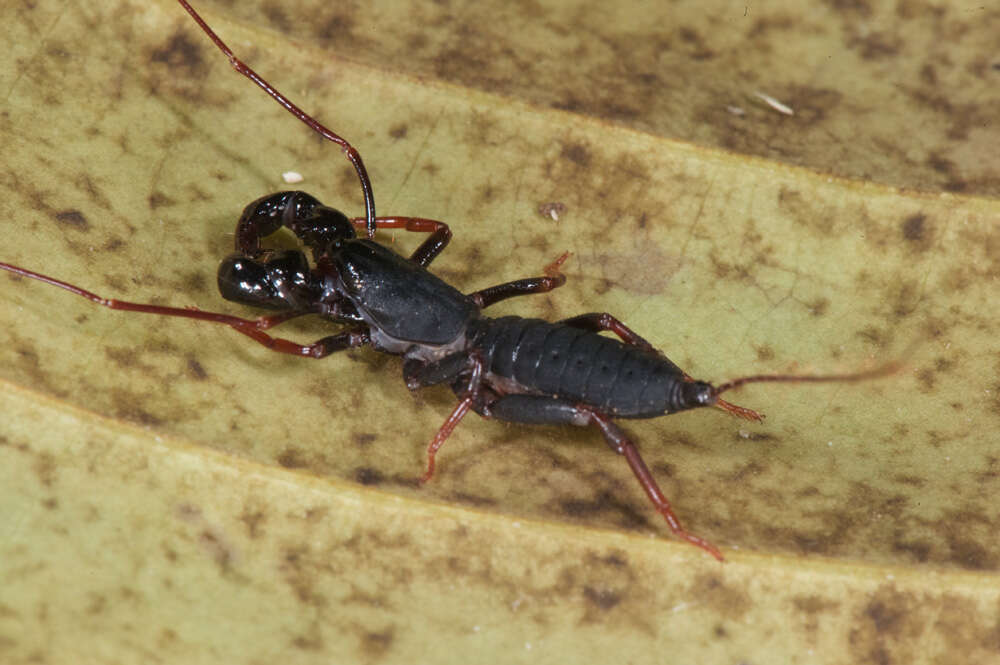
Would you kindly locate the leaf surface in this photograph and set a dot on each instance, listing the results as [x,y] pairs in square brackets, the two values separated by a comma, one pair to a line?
[239,503]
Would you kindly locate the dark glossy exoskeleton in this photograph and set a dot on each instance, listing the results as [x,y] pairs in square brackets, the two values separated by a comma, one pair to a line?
[514,369]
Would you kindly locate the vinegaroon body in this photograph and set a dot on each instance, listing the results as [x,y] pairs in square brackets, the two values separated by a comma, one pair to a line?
[511,368]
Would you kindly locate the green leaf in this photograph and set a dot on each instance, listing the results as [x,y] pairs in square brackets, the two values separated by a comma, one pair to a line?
[170,487]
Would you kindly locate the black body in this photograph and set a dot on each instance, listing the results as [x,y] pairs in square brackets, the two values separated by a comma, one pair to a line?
[510,368]
[551,372]
[569,364]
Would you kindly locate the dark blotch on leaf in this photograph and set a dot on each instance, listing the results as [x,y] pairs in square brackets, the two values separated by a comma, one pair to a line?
[914,228]
[179,53]
[368,476]
[576,153]
[196,369]
[363,439]
[73,218]
[291,458]
[604,599]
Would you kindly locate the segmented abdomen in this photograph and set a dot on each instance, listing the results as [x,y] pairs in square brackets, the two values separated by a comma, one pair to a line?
[578,365]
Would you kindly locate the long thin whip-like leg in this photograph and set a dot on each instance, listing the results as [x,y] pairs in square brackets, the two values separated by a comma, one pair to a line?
[316,126]
[252,328]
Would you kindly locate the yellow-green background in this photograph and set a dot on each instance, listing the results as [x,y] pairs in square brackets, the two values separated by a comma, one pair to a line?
[171,492]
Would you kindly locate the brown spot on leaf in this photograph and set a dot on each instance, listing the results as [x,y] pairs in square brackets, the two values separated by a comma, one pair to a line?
[917,232]
[486,193]
[875,336]
[363,439]
[311,641]
[971,554]
[368,476]
[860,7]
[602,599]
[292,458]
[728,601]
[194,281]
[45,468]
[887,618]
[216,548]
[195,369]
[875,45]
[603,503]
[181,54]
[576,153]
[127,407]
[764,353]
[814,604]
[252,519]
[158,199]
[97,603]
[123,358]
[889,628]
[919,550]
[275,14]
[818,306]
[698,49]
[375,643]
[926,377]
[337,26]
[73,219]
[114,244]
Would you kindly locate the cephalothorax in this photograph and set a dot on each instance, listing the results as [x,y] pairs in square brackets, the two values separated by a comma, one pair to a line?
[511,368]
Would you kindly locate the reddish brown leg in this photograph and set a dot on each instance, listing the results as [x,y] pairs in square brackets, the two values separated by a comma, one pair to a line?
[621,444]
[446,429]
[469,396]
[252,328]
[272,320]
[430,248]
[553,279]
[597,322]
